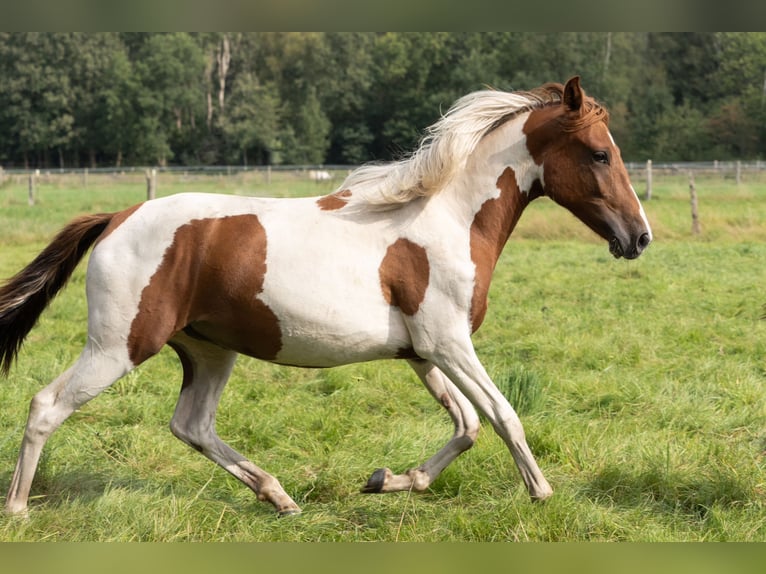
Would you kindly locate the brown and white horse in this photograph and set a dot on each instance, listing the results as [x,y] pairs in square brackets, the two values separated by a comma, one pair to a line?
[395,264]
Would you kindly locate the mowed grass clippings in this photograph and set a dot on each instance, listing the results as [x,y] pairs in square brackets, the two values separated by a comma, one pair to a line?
[640,385]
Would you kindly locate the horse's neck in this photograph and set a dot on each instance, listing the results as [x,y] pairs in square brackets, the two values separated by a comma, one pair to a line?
[499,181]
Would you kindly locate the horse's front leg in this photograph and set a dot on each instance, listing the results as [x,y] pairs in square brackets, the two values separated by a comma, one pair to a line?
[466,423]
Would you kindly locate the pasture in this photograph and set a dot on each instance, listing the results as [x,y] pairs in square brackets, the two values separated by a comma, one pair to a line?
[640,385]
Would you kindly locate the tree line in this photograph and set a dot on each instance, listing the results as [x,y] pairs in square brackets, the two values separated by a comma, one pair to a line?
[114,99]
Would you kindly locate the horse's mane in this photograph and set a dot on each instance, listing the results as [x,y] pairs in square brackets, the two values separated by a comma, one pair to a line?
[448,143]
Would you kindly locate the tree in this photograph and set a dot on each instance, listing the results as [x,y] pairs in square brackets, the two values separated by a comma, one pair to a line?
[35,96]
[305,139]
[690,59]
[344,97]
[105,93]
[682,134]
[251,122]
[738,123]
[171,71]
[408,92]
[140,98]
[298,64]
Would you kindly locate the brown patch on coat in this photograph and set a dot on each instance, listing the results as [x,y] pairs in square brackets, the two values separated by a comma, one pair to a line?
[209,280]
[404,274]
[334,201]
[541,128]
[490,230]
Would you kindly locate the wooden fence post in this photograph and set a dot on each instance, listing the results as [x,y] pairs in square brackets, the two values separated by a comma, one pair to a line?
[151,183]
[739,172]
[648,179]
[33,186]
[693,197]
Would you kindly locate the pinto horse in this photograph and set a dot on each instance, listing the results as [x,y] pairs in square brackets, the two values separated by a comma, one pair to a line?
[396,263]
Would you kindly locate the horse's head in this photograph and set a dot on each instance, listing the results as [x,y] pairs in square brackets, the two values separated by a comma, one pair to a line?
[583,170]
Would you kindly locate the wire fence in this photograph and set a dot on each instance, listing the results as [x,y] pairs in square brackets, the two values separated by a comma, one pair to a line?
[643,174]
[722,168]
[711,167]
[314,172]
[279,180]
[739,170]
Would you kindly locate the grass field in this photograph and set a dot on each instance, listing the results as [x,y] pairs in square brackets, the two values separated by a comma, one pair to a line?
[640,385]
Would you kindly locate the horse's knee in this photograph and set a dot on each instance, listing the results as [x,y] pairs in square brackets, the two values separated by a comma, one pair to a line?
[182,432]
[471,431]
[41,402]
[196,437]
[41,421]
[464,442]
[177,429]
[466,420]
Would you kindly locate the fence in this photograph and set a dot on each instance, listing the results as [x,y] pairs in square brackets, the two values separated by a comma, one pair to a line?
[316,172]
[738,171]
[643,174]
[719,168]
[261,177]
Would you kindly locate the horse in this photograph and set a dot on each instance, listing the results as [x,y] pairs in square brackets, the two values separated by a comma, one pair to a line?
[396,263]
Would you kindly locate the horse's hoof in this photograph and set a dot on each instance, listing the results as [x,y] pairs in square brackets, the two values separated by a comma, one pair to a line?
[288,512]
[543,495]
[375,483]
[16,512]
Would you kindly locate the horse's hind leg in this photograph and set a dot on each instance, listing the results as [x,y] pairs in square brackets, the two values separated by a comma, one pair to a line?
[93,372]
[206,369]
[466,423]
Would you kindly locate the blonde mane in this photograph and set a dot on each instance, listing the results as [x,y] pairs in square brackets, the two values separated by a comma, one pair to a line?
[448,143]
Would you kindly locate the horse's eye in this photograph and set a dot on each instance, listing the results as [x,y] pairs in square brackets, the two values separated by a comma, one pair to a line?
[601,157]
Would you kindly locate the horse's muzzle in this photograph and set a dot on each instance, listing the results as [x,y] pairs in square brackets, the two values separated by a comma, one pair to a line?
[633,250]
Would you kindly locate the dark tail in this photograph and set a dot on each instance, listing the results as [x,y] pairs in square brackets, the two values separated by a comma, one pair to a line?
[24,297]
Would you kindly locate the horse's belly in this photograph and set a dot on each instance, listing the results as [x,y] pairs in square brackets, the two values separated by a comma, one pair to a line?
[330,338]
[331,353]
[323,286]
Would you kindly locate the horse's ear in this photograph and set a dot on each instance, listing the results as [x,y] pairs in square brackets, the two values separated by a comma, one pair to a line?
[573,94]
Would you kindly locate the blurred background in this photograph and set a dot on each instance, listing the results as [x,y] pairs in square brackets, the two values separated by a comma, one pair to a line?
[120,99]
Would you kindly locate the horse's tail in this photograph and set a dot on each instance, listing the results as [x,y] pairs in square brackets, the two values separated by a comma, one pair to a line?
[26,295]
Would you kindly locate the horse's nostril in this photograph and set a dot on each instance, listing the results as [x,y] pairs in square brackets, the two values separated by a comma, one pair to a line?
[644,240]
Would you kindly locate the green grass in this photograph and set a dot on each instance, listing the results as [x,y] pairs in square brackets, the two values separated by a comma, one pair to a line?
[640,385]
